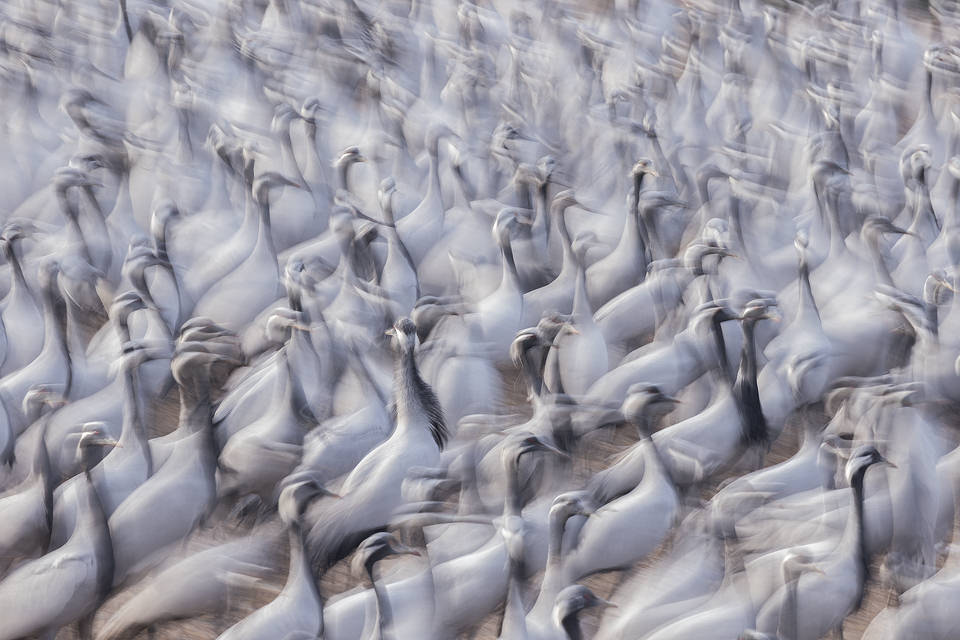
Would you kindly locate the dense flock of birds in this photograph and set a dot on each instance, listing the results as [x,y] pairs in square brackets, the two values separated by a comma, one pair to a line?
[411,272]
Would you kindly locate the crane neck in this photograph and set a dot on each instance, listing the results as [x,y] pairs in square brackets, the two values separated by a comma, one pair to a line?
[433,187]
[787,622]
[513,624]
[736,227]
[92,526]
[315,170]
[582,313]
[808,305]
[509,278]
[70,212]
[18,282]
[100,224]
[541,216]
[569,257]
[220,174]
[828,212]
[924,222]
[720,344]
[881,269]
[753,423]
[634,226]
[289,160]
[854,539]
[196,410]
[132,433]
[343,174]
[532,375]
[953,217]
[513,501]
[55,319]
[415,400]
[571,626]
[552,362]
[264,232]
[651,451]
[74,338]
[384,626]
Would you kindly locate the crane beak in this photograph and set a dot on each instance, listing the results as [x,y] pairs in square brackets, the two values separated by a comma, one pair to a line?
[604,603]
[552,449]
[401,549]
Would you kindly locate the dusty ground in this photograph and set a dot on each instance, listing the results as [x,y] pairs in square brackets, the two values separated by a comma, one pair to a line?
[340,579]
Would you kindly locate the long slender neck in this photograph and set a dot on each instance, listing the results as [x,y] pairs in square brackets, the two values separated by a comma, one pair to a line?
[552,363]
[298,573]
[415,399]
[513,624]
[196,411]
[634,226]
[541,219]
[553,577]
[653,457]
[133,434]
[928,97]
[923,213]
[787,624]
[531,372]
[433,187]
[384,611]
[55,325]
[315,167]
[754,425]
[807,305]
[219,195]
[509,276]
[512,502]
[18,282]
[343,174]
[571,625]
[70,213]
[830,215]
[854,541]
[125,18]
[720,343]
[265,235]
[98,219]
[880,265]
[569,257]
[92,524]
[954,215]
[75,338]
[41,471]
[581,303]
[289,160]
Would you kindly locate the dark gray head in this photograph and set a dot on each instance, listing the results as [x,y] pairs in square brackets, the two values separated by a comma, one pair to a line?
[574,599]
[569,504]
[349,156]
[90,441]
[644,401]
[526,339]
[404,333]
[295,497]
[861,459]
[377,547]
[760,309]
[522,445]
